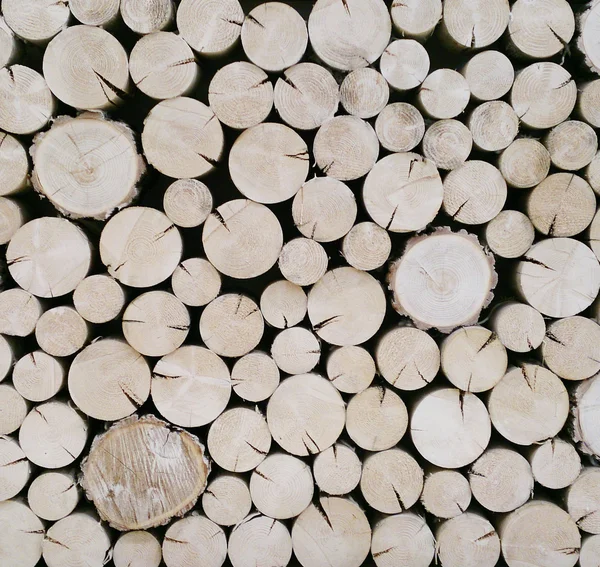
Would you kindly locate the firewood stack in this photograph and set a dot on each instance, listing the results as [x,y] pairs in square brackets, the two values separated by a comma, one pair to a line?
[299,283]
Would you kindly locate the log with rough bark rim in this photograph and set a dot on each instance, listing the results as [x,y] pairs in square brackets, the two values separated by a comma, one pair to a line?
[226,500]
[415,18]
[196,282]
[447,143]
[364,92]
[404,64]
[19,312]
[13,409]
[21,536]
[35,21]
[102,13]
[61,331]
[296,350]
[337,470]
[519,327]
[137,549]
[53,495]
[145,17]
[489,74]
[350,369]
[443,94]
[509,234]
[303,261]
[494,125]
[446,493]
[99,298]
[555,463]
[255,376]
[400,127]
[283,304]
[366,246]
[525,163]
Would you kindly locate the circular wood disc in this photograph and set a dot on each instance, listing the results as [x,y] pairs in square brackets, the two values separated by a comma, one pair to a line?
[7,358]
[337,470]
[296,350]
[520,327]
[442,280]
[19,312]
[268,163]
[140,246]
[255,376]
[14,165]
[21,535]
[590,551]
[400,127]
[541,392]
[37,376]
[283,304]
[447,143]
[446,494]
[572,145]
[303,261]
[509,234]
[109,380]
[61,331]
[87,68]
[306,414]
[242,239]
[444,94]
[346,306]
[231,325]
[525,163]
[560,277]
[583,500]
[48,256]
[187,202]
[13,409]
[53,495]
[588,100]
[156,323]
[182,138]
[367,246]
[195,540]
[588,40]
[12,218]
[195,282]
[99,298]
[416,19]
[555,463]
[8,44]
[403,192]
[146,17]
[15,470]
[144,455]
[137,549]
[586,422]
[348,35]
[494,125]
[226,500]
[404,64]
[489,74]
[350,369]
[191,386]
[35,21]
[450,428]
[592,174]
[364,92]
[95,12]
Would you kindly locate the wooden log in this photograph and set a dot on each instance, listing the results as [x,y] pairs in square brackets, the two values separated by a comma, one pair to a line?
[572,145]
[468,540]
[494,125]
[324,209]
[525,163]
[303,261]
[557,539]
[19,312]
[400,127]
[443,94]
[592,174]
[350,369]
[305,414]
[541,392]
[404,64]
[468,25]
[182,139]
[539,30]
[53,495]
[9,49]
[501,480]
[281,486]
[175,481]
[593,234]
[442,280]
[391,481]
[583,502]
[34,21]
[99,298]
[590,551]
[586,416]
[61,331]
[555,463]
[191,386]
[14,165]
[239,439]
[332,29]
[559,277]
[408,358]
[447,143]
[7,357]
[26,103]
[15,469]
[474,193]
[137,549]
[450,428]
[269,163]
[402,539]
[259,541]
[376,419]
[144,17]
[473,359]
[13,409]
[571,348]
[364,93]
[102,13]
[187,202]
[241,95]
[194,539]
[78,540]
[489,74]
[255,376]
[156,323]
[226,500]
[12,218]
[446,494]
[283,304]
[162,65]
[274,36]
[196,282]
[346,148]
[509,234]
[296,350]
[337,470]
[140,247]
[332,532]
[416,19]
[366,246]
[37,376]
[543,95]
[346,306]
[48,257]
[231,325]
[100,386]
[86,67]
[587,42]
[21,535]
[211,27]
[588,98]
[519,327]
[53,435]
[242,239]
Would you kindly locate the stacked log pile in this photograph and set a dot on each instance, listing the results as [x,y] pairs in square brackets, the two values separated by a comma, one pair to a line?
[299,283]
